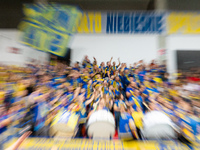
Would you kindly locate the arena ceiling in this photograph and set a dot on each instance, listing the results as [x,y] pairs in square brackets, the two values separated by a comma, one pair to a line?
[111,4]
[11,10]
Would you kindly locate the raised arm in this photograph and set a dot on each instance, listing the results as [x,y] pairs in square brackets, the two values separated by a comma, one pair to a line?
[90,100]
[116,108]
[41,97]
[128,103]
[108,74]
[57,98]
[19,141]
[122,69]
[95,61]
[111,59]
[101,91]
[5,122]
[119,63]
[76,92]
[133,128]
[128,94]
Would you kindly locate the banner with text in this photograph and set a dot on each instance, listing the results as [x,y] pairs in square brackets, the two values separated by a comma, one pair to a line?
[122,23]
[183,23]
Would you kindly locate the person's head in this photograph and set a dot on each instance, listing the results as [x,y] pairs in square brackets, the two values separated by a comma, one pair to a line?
[59,92]
[152,105]
[86,57]
[99,69]
[46,96]
[86,72]
[95,67]
[168,105]
[103,64]
[126,71]
[2,109]
[76,74]
[70,88]
[142,88]
[139,109]
[112,77]
[113,63]
[140,68]
[105,82]
[98,75]
[15,107]
[89,82]
[117,97]
[76,64]
[83,90]
[129,109]
[81,98]
[121,96]
[71,106]
[136,92]
[39,88]
[131,79]
[60,73]
[146,78]
[177,99]
[160,99]
[117,78]
[136,71]
[132,84]
[111,87]
[166,75]
[188,107]
[108,64]
[152,83]
[46,77]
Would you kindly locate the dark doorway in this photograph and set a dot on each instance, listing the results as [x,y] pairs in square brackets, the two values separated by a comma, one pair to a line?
[187,59]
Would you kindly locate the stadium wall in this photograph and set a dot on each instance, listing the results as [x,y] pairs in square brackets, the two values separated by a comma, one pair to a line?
[179,42]
[12,52]
[130,48]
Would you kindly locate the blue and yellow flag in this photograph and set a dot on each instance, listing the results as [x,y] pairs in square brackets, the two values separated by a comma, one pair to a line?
[49,27]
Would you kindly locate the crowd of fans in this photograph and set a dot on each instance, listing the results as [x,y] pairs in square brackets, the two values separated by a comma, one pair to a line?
[31,96]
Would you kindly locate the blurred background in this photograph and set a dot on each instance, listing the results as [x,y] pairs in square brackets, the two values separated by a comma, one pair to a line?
[155,44]
[57,67]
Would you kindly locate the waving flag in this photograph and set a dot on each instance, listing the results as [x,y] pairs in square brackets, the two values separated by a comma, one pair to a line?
[49,27]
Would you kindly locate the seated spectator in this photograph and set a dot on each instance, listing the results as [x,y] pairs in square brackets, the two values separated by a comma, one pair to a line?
[127,128]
